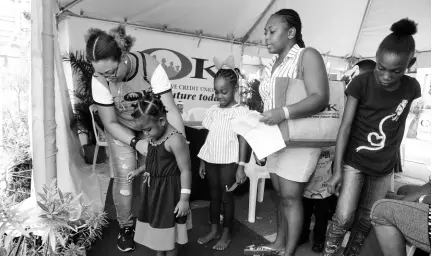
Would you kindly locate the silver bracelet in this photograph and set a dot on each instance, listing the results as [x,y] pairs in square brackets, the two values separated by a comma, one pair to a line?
[241,163]
[421,199]
[185,191]
[286,112]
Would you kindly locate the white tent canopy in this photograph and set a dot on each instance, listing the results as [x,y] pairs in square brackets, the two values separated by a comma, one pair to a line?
[337,28]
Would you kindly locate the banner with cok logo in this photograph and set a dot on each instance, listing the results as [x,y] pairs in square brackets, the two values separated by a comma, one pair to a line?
[188,61]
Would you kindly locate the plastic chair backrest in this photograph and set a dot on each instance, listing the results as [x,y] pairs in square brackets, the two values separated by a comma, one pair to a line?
[96,129]
[197,114]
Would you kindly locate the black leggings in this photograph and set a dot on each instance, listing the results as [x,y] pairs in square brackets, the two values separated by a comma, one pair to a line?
[219,176]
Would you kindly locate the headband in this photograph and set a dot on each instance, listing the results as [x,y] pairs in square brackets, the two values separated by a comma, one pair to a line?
[94,47]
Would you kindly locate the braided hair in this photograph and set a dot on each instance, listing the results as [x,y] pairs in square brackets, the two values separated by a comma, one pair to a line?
[292,19]
[150,105]
[230,75]
[101,45]
[401,39]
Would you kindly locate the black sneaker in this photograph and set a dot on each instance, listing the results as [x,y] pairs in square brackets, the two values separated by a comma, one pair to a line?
[125,240]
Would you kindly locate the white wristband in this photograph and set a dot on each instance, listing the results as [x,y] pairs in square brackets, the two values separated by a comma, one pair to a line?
[185,191]
[242,163]
[421,199]
[286,112]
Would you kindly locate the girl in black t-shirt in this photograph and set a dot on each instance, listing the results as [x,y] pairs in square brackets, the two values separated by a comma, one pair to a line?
[369,138]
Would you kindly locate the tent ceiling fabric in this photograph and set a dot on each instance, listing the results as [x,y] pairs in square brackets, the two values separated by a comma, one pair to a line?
[331,26]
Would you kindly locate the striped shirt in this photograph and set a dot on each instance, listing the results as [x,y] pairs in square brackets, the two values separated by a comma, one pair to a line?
[221,145]
[288,68]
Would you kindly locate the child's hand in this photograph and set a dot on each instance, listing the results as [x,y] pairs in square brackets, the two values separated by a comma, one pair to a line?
[257,161]
[182,208]
[240,175]
[202,171]
[333,183]
[132,174]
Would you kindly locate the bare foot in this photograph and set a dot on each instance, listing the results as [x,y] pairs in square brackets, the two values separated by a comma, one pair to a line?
[209,237]
[223,242]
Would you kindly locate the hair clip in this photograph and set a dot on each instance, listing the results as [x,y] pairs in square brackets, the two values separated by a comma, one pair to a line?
[228,63]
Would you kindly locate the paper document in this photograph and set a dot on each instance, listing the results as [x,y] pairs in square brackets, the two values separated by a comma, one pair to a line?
[264,139]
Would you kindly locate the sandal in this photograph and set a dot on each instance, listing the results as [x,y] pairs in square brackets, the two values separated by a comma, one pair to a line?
[262,250]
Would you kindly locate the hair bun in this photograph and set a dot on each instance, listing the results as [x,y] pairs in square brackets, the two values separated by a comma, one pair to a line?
[404,27]
[93,32]
[125,42]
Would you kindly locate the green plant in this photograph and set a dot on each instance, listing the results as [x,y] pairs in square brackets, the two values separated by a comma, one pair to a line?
[59,224]
[82,72]
[17,142]
[249,96]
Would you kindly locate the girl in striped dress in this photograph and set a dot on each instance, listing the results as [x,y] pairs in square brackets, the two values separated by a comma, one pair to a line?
[222,156]
[164,215]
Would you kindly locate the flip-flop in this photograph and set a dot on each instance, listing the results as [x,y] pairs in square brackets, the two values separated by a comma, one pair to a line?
[214,238]
[229,241]
[262,250]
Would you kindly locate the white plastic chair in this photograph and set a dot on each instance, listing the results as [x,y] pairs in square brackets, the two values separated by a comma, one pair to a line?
[408,122]
[257,175]
[392,182]
[197,114]
[99,135]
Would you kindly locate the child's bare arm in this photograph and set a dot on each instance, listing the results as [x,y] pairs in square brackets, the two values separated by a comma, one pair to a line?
[178,146]
[341,142]
[415,195]
[344,132]
[141,169]
[243,149]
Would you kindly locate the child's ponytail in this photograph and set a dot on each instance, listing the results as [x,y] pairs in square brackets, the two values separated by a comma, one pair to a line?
[149,105]
[404,27]
[401,40]
[124,42]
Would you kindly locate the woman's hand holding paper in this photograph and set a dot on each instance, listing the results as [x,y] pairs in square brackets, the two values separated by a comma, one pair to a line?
[273,117]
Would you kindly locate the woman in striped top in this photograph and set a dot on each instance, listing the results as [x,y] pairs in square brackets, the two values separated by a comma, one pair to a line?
[222,156]
[290,168]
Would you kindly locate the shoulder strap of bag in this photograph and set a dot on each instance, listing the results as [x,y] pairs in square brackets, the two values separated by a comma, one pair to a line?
[144,67]
[300,63]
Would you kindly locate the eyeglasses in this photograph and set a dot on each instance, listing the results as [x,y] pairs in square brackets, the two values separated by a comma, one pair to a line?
[109,74]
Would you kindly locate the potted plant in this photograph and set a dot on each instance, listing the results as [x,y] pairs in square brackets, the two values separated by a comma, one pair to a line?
[250,97]
[57,224]
[82,72]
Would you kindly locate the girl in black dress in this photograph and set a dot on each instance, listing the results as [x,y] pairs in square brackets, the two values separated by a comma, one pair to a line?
[164,217]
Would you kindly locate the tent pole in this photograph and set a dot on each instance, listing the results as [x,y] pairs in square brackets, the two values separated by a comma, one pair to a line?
[246,37]
[68,6]
[42,124]
[220,39]
[417,52]
[365,14]
[49,94]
